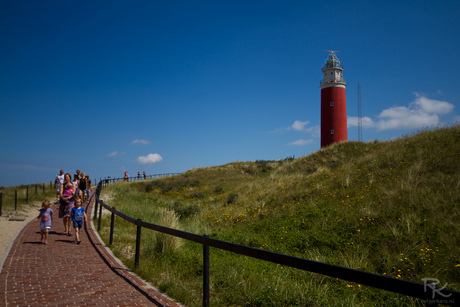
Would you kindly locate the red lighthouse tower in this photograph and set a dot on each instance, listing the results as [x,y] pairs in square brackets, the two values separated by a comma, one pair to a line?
[333,102]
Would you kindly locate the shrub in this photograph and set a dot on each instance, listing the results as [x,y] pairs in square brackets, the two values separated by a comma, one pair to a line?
[249,170]
[197,195]
[184,211]
[232,197]
[263,166]
[218,189]
[336,164]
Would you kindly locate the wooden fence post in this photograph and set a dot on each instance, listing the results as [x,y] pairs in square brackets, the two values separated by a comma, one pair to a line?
[138,245]
[100,217]
[96,202]
[112,222]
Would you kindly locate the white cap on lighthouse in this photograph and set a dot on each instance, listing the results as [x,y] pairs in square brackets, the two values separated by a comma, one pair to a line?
[332,71]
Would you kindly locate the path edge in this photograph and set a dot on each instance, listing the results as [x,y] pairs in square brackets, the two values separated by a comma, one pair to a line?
[126,270]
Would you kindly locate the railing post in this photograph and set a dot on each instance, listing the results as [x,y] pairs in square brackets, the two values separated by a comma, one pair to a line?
[16,200]
[205,274]
[1,203]
[95,207]
[100,217]
[138,245]
[112,222]
[27,195]
[43,188]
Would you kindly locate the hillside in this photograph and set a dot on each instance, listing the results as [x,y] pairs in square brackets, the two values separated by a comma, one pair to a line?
[391,208]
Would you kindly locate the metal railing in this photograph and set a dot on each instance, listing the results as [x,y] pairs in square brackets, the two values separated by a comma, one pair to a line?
[429,291]
[136,178]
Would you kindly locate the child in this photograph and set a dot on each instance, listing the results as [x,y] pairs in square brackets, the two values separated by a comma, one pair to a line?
[68,190]
[78,217]
[46,215]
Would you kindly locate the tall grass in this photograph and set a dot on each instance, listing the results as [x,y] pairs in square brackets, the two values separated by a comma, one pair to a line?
[391,208]
[25,196]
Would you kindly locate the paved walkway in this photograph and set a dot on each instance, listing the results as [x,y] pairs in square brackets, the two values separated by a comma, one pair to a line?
[63,273]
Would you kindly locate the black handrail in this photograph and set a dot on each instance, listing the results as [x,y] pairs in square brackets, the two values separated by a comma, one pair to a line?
[409,288]
[135,178]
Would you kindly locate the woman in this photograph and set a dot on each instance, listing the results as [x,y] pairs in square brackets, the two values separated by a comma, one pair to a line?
[66,204]
[82,187]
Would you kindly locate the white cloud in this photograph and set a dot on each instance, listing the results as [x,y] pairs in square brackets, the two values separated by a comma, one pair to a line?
[149,159]
[301,142]
[366,122]
[431,105]
[299,125]
[296,126]
[420,113]
[115,153]
[142,142]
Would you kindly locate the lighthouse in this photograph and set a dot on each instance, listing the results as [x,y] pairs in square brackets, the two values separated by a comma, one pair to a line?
[333,102]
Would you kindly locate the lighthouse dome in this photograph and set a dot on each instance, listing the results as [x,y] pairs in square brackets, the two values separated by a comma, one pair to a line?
[332,62]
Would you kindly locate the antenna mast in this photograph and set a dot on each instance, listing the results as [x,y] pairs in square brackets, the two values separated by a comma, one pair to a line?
[360,116]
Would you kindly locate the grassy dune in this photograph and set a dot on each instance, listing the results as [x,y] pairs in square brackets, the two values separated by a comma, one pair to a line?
[391,208]
[24,200]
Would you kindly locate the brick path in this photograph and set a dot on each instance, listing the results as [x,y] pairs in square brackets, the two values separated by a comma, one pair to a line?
[63,273]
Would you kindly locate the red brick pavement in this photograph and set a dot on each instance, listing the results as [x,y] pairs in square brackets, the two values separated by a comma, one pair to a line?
[63,273]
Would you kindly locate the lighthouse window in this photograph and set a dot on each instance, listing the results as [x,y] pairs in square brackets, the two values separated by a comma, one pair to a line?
[332,103]
[332,131]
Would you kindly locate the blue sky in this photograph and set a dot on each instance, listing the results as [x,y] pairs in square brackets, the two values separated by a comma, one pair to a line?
[166,86]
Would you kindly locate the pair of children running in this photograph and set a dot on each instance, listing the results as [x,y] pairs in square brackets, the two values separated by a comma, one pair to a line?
[46,218]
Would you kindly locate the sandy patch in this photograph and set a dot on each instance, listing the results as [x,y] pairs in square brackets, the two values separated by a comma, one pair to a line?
[10,229]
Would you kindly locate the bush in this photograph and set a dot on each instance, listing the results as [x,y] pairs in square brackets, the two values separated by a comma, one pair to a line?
[232,197]
[218,189]
[263,166]
[249,170]
[185,211]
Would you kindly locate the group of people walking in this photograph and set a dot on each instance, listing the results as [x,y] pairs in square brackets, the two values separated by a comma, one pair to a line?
[70,194]
[126,176]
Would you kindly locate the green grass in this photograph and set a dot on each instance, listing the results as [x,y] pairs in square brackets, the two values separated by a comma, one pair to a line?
[390,208]
[35,194]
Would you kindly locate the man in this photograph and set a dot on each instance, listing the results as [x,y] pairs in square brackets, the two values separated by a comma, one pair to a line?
[57,183]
